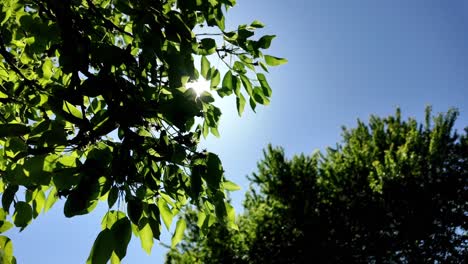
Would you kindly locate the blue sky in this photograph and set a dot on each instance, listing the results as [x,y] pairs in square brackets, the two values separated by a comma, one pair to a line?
[347,60]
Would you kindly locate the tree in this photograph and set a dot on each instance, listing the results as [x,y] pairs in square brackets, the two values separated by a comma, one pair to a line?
[75,74]
[393,191]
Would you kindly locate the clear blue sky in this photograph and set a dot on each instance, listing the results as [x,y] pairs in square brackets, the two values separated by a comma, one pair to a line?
[347,60]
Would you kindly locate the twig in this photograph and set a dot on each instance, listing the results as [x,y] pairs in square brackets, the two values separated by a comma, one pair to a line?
[209,34]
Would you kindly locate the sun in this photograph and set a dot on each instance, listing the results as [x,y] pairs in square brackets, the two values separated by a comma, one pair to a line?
[199,86]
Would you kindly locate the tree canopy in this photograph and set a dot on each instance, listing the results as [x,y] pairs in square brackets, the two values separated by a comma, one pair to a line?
[94,106]
[393,191]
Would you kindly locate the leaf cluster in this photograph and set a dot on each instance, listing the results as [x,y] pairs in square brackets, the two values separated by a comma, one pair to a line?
[94,106]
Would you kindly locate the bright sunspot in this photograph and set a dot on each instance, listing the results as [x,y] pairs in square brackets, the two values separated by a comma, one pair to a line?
[199,86]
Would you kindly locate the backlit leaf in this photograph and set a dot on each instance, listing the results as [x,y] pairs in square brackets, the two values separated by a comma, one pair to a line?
[228,85]
[215,78]
[274,61]
[230,186]
[5,226]
[146,235]
[257,24]
[71,109]
[47,69]
[6,248]
[166,213]
[38,203]
[264,84]
[179,232]
[52,197]
[240,103]
[205,67]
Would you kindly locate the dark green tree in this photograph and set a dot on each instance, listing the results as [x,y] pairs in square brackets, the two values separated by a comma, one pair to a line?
[77,74]
[393,191]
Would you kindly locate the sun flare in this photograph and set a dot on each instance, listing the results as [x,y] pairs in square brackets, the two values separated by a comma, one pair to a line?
[199,86]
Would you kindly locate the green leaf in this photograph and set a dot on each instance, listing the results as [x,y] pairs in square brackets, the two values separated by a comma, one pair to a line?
[71,109]
[36,169]
[102,248]
[205,67]
[114,258]
[206,129]
[208,46]
[230,186]
[65,178]
[179,232]
[274,61]
[244,33]
[201,218]
[231,213]
[47,69]
[146,235]
[3,214]
[67,161]
[5,226]
[252,103]
[166,213]
[257,24]
[237,85]
[220,206]
[214,171]
[151,212]
[265,42]
[240,103]
[51,199]
[110,218]
[239,67]
[8,196]
[259,96]
[215,78]
[264,84]
[214,131]
[81,202]
[247,62]
[6,248]
[231,216]
[13,130]
[23,214]
[122,232]
[38,202]
[228,85]
[113,196]
[134,210]
[247,84]
[263,65]
[206,97]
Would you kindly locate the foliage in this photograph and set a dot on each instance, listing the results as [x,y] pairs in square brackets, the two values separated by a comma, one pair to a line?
[394,191]
[76,73]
